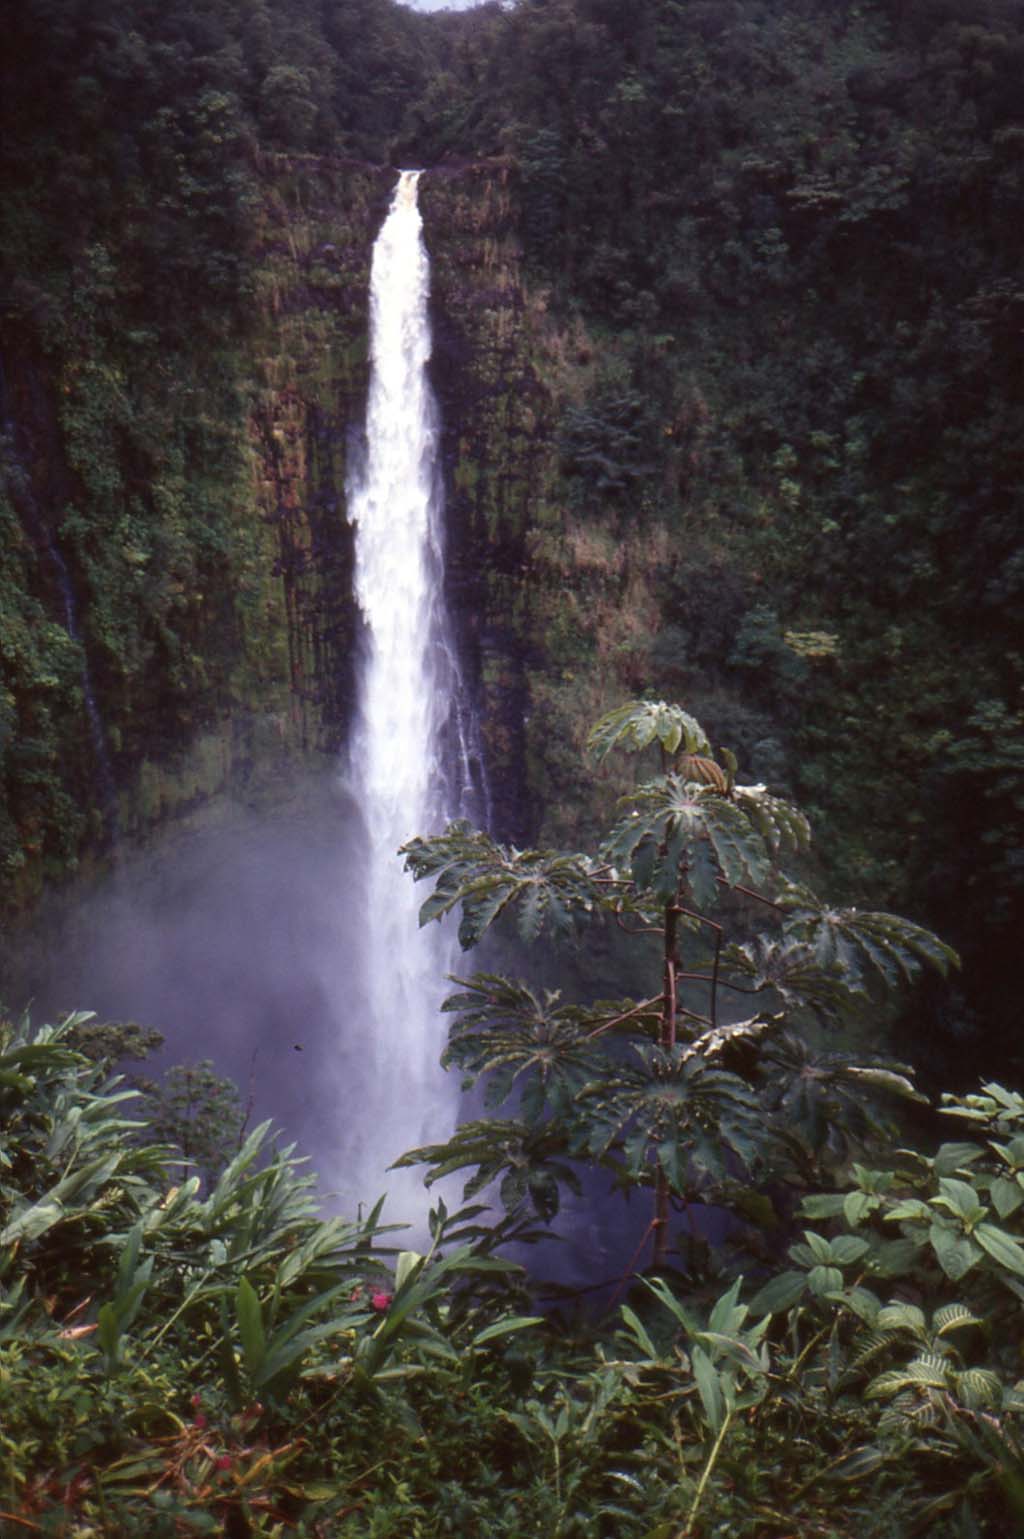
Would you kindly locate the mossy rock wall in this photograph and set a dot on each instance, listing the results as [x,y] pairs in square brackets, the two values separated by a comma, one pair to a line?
[179,620]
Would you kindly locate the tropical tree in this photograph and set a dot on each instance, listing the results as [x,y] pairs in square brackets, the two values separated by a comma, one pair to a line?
[711,1083]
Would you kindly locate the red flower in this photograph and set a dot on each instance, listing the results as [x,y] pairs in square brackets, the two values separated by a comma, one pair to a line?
[224,1462]
[381,1301]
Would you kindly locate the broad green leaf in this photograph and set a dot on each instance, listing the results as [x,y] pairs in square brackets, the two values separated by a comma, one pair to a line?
[779,1293]
[959,1198]
[505,1328]
[639,1331]
[951,1157]
[250,1325]
[823,1280]
[709,1387]
[910,1210]
[409,1263]
[980,1389]
[952,1317]
[862,1462]
[737,1352]
[902,1317]
[675,1306]
[857,1206]
[13,1081]
[819,1247]
[728,1314]
[33,1222]
[828,1205]
[847,1249]
[638,724]
[956,1252]
[886,1079]
[545,889]
[1001,1246]
[1006,1196]
[895,1258]
[108,1332]
[863,1304]
[865,943]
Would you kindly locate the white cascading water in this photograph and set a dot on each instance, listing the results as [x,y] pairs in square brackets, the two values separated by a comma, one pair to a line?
[408,719]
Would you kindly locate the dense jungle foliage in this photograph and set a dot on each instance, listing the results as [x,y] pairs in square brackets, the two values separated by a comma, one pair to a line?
[202,1353]
[792,235]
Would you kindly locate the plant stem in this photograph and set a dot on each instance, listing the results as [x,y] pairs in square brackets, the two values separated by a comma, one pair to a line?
[616,1020]
[669,1001]
[748,892]
[634,1258]
[706,1476]
[186,1301]
[669,1008]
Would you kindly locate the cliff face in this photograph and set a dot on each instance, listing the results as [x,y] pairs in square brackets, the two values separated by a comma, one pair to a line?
[497,414]
[178,539]
[543,578]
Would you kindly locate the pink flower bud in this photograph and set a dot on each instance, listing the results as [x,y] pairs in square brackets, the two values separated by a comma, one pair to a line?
[381,1301]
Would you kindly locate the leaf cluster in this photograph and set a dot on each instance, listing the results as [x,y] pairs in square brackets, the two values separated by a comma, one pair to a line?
[666,1091]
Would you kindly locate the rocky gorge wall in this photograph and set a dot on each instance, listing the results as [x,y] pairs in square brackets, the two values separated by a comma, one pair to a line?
[191,511]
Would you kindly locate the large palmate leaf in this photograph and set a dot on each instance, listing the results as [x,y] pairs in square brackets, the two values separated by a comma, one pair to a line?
[670,1107]
[637,725]
[831,1103]
[678,830]
[543,888]
[781,826]
[862,943]
[789,968]
[513,1034]
[529,1162]
[736,1039]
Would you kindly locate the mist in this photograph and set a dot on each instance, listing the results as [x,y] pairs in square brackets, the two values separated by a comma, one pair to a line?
[243,944]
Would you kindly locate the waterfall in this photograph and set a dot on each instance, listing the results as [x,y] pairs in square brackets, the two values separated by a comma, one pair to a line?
[411,762]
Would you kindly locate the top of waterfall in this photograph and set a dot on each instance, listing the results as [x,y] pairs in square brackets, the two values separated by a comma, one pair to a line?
[408,187]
